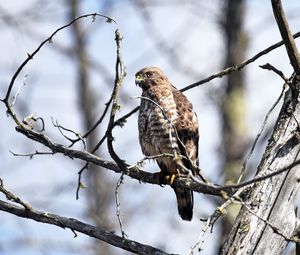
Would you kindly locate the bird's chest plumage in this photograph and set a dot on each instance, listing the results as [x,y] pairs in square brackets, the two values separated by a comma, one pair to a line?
[157,117]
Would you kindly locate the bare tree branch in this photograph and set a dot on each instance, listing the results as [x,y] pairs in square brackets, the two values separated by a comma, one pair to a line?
[244,166]
[79,226]
[118,205]
[269,67]
[136,173]
[120,75]
[286,35]
[10,196]
[49,39]
[133,172]
[237,67]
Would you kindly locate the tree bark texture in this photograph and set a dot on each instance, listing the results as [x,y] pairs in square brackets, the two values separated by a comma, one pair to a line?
[272,200]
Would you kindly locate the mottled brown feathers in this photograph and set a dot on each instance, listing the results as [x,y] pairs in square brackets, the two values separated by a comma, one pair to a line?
[163,107]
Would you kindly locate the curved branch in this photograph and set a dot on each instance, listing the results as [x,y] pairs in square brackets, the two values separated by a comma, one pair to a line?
[120,75]
[49,39]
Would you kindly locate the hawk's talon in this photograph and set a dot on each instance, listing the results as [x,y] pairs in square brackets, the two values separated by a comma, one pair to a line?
[171,178]
[163,179]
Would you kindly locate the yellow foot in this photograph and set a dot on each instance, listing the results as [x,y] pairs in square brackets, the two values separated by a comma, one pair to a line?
[171,178]
[163,179]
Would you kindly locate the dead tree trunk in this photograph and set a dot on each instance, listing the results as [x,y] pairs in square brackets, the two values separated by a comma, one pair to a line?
[272,200]
[267,220]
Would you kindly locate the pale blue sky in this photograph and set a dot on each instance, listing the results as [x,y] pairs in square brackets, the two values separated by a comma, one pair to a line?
[49,183]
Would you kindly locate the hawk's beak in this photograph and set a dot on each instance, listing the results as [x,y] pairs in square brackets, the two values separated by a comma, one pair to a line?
[138,79]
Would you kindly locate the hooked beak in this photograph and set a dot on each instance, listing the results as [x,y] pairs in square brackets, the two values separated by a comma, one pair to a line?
[138,79]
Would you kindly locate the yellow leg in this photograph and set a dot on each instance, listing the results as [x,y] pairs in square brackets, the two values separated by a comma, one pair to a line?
[163,179]
[171,178]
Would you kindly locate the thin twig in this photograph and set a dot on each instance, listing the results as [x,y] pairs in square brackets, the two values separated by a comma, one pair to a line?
[49,39]
[73,141]
[18,93]
[244,167]
[221,210]
[263,177]
[10,196]
[80,184]
[30,120]
[30,155]
[10,111]
[269,67]
[140,163]
[118,205]
[75,234]
[119,122]
[239,66]
[275,229]
[200,240]
[98,122]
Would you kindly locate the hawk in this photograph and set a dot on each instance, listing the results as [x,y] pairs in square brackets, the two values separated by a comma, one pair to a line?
[167,124]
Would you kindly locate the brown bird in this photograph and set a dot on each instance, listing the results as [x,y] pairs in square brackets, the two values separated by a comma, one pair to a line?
[167,124]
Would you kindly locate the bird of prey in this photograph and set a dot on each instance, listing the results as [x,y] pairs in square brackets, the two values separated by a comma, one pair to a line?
[168,125]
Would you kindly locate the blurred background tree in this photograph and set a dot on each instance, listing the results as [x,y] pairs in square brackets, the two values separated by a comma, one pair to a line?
[232,106]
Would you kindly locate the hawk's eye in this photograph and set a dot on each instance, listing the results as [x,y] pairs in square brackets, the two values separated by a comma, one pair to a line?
[148,74]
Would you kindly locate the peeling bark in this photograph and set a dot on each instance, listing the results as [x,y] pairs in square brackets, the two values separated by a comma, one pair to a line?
[272,200]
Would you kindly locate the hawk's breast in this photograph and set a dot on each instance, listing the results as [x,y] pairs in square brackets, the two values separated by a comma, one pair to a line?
[157,118]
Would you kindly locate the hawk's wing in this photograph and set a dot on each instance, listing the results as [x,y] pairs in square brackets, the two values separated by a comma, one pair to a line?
[187,128]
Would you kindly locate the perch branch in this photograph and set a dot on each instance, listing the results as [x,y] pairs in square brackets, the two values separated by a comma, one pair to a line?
[143,176]
[134,172]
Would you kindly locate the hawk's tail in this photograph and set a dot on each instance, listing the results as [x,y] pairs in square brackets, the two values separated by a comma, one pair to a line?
[185,203]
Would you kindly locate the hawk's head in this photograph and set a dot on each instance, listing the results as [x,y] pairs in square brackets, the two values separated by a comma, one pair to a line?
[150,76]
